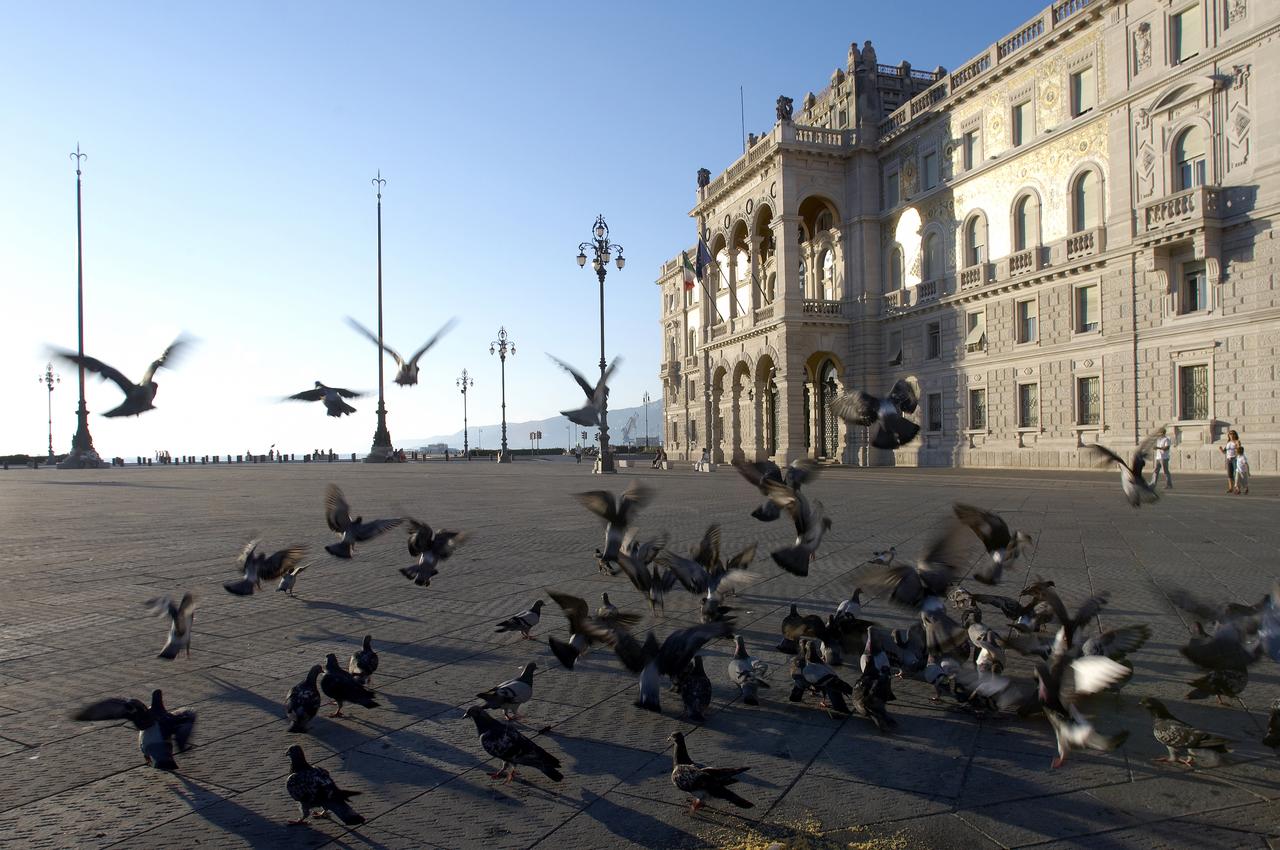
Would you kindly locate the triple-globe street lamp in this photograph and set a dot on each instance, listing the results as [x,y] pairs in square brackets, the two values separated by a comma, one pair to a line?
[49,379]
[502,346]
[602,251]
[464,383]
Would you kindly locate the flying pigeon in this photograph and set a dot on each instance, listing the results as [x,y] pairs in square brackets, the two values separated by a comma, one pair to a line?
[407,375]
[504,742]
[747,673]
[911,585]
[138,397]
[364,662]
[588,416]
[616,513]
[811,524]
[1176,735]
[341,687]
[512,693]
[760,473]
[885,417]
[337,513]
[583,628]
[1003,546]
[652,661]
[636,561]
[523,622]
[699,782]
[1135,485]
[315,791]
[431,548]
[158,729]
[180,615]
[303,701]
[331,396]
[259,568]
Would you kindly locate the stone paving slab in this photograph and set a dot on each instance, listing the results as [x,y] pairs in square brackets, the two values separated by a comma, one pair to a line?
[73,629]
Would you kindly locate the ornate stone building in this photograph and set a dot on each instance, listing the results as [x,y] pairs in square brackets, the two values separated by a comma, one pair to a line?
[1068,240]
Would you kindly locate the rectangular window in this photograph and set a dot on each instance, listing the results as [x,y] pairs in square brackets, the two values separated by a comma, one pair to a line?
[1084,95]
[1193,392]
[933,341]
[1088,309]
[693,432]
[1028,405]
[975,338]
[977,409]
[1186,34]
[1026,319]
[891,196]
[969,146]
[1088,401]
[1191,172]
[930,169]
[1193,291]
[1020,125]
[935,411]
[895,348]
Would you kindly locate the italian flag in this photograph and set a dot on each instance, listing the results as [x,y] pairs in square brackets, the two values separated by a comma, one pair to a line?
[687,268]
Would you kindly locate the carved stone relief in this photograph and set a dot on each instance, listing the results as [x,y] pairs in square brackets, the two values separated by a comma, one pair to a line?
[1142,47]
[1239,119]
[1236,11]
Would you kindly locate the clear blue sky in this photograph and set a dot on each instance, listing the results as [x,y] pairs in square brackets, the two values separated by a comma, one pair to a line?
[227,193]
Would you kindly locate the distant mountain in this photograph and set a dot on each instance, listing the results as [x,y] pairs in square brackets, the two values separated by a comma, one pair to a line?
[555,431]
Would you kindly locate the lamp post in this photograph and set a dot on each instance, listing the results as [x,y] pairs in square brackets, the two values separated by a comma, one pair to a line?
[83,455]
[464,382]
[381,450]
[602,249]
[645,399]
[501,346]
[49,378]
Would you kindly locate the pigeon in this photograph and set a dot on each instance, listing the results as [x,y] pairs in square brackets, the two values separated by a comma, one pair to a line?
[1135,485]
[504,742]
[726,577]
[811,524]
[176,726]
[523,622]
[747,673]
[695,690]
[760,473]
[890,429]
[651,661]
[910,585]
[607,610]
[341,687]
[316,792]
[1071,729]
[289,579]
[597,395]
[870,693]
[1272,738]
[303,701]
[809,673]
[1117,643]
[699,782]
[1176,735]
[157,729]
[582,627]
[616,513]
[180,616]
[1013,609]
[363,662]
[407,375]
[1070,624]
[512,693]
[337,513]
[1219,683]
[259,568]
[332,398]
[851,607]
[1003,546]
[431,548]
[138,397]
[636,561]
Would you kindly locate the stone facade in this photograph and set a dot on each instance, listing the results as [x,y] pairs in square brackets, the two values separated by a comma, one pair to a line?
[1067,241]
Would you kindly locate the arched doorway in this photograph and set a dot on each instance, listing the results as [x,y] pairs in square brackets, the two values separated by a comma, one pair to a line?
[828,422]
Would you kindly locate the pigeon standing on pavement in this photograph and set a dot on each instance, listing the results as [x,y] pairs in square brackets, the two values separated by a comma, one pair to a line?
[337,513]
[341,687]
[746,672]
[303,701]
[524,622]
[289,579]
[699,781]
[504,742]
[157,731]
[1176,736]
[363,662]
[1003,546]
[884,416]
[316,792]
[138,397]
[180,615]
[332,398]
[407,370]
[511,694]
[258,568]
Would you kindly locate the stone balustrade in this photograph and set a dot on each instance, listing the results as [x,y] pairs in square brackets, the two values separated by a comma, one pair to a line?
[1022,262]
[928,290]
[893,300]
[763,314]
[813,306]
[975,275]
[1086,243]
[1188,206]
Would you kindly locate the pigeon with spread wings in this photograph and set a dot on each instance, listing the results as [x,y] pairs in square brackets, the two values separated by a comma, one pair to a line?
[884,416]
[597,394]
[1135,485]
[180,615]
[332,398]
[407,375]
[138,397]
[337,513]
[1003,545]
[797,473]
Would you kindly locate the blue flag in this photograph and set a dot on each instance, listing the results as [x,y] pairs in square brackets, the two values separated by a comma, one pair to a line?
[704,259]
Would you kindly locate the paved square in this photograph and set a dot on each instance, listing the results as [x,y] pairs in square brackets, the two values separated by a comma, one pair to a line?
[82,551]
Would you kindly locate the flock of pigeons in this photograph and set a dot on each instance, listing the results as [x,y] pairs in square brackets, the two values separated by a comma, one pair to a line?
[949,645]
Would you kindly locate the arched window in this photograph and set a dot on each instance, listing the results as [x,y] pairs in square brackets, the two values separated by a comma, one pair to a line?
[895,268]
[1189,159]
[823,222]
[975,240]
[1026,223]
[828,424]
[803,290]
[693,342]
[1086,202]
[671,348]
[722,269]
[931,258]
[771,287]
[826,275]
[742,267]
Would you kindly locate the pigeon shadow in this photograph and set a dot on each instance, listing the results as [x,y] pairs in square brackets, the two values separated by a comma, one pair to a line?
[244,696]
[258,831]
[636,826]
[356,611]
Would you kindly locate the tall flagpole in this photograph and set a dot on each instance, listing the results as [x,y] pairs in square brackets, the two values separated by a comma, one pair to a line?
[83,455]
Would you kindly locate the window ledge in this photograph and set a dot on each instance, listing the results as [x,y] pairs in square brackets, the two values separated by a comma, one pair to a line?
[1192,423]
[1031,343]
[1079,428]
[1030,429]
[976,432]
[1097,332]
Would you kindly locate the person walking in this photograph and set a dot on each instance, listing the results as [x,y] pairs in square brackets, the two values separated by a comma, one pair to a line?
[1163,445]
[1232,451]
[1242,470]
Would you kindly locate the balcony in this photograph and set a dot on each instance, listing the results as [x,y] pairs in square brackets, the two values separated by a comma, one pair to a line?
[975,276]
[1024,262]
[816,307]
[717,331]
[928,290]
[1186,209]
[691,362]
[763,314]
[893,300]
[1085,243]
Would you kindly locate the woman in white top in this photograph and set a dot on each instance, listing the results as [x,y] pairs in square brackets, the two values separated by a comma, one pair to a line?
[1233,449]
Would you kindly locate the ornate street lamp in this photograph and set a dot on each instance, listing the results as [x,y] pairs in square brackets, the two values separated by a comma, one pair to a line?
[464,383]
[645,398]
[502,345]
[381,451]
[602,250]
[49,378]
[83,455]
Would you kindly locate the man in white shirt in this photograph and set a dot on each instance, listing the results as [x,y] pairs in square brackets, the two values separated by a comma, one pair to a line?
[1162,460]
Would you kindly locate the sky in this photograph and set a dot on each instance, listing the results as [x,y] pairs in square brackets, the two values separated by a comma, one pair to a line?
[228,196]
